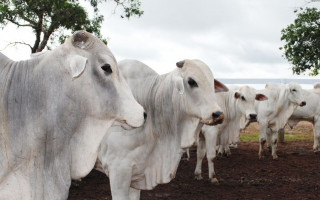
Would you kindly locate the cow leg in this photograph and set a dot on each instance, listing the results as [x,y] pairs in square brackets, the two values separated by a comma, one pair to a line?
[188,154]
[281,135]
[262,139]
[220,150]
[210,145]
[316,135]
[134,194]
[269,140]
[227,150]
[223,142]
[120,179]
[274,145]
[201,152]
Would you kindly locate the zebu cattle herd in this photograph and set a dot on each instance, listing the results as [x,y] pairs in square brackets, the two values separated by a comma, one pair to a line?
[72,109]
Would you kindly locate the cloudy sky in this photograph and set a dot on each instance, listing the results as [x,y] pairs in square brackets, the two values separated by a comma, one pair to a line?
[236,38]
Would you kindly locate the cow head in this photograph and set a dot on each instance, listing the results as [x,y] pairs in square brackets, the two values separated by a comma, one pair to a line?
[196,84]
[295,94]
[245,97]
[93,70]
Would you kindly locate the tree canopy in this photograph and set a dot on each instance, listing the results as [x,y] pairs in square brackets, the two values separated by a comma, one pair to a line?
[302,41]
[49,19]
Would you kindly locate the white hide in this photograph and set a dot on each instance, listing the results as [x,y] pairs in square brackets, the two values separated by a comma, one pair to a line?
[142,158]
[310,112]
[54,111]
[274,113]
[237,103]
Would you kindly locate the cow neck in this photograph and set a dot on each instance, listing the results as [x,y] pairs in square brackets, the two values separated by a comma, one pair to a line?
[23,140]
[230,127]
[16,86]
[284,108]
[163,106]
[169,126]
[229,105]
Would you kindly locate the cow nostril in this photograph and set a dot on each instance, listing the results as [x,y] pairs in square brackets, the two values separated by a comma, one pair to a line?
[253,116]
[144,115]
[303,103]
[216,114]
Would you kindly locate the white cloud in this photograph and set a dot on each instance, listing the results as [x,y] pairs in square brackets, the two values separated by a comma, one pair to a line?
[236,38]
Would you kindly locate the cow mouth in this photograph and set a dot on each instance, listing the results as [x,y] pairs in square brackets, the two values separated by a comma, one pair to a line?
[216,121]
[250,119]
[123,124]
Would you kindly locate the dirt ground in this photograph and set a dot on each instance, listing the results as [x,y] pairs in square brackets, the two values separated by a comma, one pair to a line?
[295,175]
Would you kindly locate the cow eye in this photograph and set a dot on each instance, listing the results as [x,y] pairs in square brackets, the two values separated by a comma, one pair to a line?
[242,97]
[293,90]
[192,83]
[107,68]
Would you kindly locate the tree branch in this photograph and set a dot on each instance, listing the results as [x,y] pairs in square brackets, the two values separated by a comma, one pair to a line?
[28,20]
[18,24]
[15,44]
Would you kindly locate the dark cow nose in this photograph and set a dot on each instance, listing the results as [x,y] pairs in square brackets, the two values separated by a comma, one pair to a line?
[303,103]
[216,114]
[253,116]
[144,115]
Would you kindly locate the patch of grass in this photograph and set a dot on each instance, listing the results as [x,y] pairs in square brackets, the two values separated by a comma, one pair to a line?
[292,136]
[249,137]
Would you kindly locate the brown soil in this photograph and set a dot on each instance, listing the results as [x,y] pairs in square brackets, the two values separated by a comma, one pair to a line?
[295,175]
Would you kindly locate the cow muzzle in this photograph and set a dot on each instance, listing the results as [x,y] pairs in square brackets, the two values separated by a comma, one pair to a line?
[217,118]
[253,116]
[303,104]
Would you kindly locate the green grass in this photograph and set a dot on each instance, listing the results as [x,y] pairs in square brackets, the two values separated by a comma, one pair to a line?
[249,137]
[298,137]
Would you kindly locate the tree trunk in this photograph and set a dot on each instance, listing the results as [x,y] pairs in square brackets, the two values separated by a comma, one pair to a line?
[37,42]
[44,41]
[38,33]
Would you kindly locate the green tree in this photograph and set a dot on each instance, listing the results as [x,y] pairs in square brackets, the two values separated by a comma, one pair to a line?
[50,19]
[302,41]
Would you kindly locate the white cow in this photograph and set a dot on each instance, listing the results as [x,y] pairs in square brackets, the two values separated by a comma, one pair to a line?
[274,113]
[177,104]
[310,112]
[54,111]
[236,104]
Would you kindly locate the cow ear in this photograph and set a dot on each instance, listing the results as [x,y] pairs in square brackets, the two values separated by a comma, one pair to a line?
[220,87]
[236,95]
[261,97]
[77,65]
[179,84]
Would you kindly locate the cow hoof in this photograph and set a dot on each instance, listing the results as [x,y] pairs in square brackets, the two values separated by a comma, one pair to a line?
[275,158]
[220,154]
[261,156]
[316,150]
[198,177]
[215,181]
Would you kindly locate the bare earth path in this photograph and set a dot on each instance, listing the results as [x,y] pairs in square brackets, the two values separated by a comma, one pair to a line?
[296,175]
